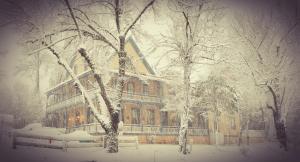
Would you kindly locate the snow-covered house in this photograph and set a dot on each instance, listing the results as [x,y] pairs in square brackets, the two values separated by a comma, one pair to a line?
[142,99]
[144,112]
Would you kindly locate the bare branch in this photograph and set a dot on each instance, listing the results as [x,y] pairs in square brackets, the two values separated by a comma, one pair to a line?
[73,17]
[105,125]
[49,45]
[138,17]
[250,43]
[102,38]
[289,31]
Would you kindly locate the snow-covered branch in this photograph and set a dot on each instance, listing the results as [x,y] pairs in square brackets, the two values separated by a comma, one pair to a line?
[98,78]
[103,120]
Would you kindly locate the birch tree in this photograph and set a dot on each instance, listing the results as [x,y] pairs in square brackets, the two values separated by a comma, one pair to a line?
[190,43]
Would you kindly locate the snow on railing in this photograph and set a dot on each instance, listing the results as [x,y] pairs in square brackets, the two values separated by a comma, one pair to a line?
[142,129]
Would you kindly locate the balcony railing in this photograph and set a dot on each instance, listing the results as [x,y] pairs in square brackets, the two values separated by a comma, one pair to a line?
[78,99]
[142,129]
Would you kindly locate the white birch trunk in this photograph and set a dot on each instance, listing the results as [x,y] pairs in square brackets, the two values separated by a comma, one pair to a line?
[183,132]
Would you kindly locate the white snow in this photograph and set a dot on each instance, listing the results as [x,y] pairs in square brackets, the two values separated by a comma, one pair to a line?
[39,130]
[154,153]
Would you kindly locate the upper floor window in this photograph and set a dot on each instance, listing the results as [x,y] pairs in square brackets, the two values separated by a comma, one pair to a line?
[145,89]
[159,89]
[130,88]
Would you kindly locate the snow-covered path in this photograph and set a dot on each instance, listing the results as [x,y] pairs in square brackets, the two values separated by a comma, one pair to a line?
[151,153]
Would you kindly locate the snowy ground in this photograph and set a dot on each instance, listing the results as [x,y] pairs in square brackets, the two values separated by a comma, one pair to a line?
[151,153]
[267,152]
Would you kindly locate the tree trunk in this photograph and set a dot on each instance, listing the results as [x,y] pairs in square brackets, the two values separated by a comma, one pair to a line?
[183,134]
[37,75]
[185,115]
[278,122]
[280,130]
[112,142]
[112,135]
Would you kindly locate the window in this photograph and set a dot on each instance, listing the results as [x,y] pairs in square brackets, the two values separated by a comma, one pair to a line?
[63,95]
[130,88]
[164,118]
[145,89]
[150,117]
[202,122]
[159,89]
[122,114]
[77,118]
[135,116]
[65,116]
[232,123]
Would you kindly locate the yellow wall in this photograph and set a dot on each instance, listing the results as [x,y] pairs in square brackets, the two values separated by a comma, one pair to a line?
[134,57]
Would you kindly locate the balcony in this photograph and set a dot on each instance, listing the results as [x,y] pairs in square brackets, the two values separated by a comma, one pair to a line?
[141,97]
[142,129]
[78,99]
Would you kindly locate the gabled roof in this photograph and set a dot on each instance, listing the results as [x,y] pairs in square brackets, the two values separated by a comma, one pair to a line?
[132,42]
[137,49]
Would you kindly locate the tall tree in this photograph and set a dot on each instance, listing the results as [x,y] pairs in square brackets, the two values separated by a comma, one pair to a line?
[85,26]
[266,35]
[189,44]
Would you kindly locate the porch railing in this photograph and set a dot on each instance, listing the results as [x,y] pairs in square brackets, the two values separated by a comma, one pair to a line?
[141,129]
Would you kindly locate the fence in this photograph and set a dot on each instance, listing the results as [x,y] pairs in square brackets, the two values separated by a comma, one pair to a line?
[94,128]
[23,139]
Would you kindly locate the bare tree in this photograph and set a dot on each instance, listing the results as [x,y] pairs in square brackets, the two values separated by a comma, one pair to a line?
[268,56]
